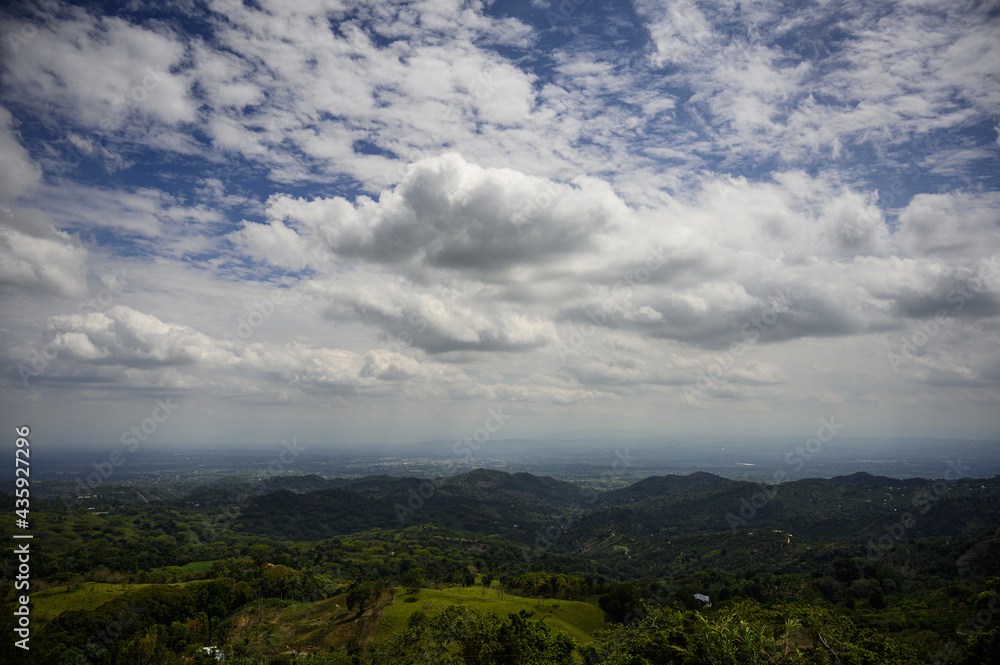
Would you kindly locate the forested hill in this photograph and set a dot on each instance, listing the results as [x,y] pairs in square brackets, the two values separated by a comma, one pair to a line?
[377,569]
[856,507]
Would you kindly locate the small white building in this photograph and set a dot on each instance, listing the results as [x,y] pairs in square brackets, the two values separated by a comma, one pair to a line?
[213,651]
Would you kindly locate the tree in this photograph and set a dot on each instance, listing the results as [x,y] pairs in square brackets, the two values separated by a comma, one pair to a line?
[278,581]
[361,594]
[413,579]
[460,635]
[983,649]
[620,601]
[416,619]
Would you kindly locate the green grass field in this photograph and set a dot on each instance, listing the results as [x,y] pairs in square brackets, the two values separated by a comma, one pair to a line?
[579,620]
[197,566]
[56,600]
[310,624]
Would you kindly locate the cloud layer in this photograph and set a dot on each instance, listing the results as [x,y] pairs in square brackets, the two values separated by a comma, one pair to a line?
[682,213]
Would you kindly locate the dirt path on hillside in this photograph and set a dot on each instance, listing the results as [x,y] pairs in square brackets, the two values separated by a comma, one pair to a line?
[374,617]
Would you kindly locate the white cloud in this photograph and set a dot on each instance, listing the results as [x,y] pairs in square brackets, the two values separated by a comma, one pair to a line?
[449,214]
[18,172]
[152,218]
[679,30]
[35,256]
[128,345]
[463,206]
[98,72]
[51,263]
[958,225]
[816,252]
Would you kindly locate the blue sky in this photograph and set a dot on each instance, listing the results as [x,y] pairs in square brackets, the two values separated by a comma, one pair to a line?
[349,222]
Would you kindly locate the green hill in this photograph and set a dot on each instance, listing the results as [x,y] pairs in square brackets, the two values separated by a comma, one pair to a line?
[328,624]
[579,620]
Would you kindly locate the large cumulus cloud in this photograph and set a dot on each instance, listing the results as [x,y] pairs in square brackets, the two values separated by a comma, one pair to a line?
[460,257]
